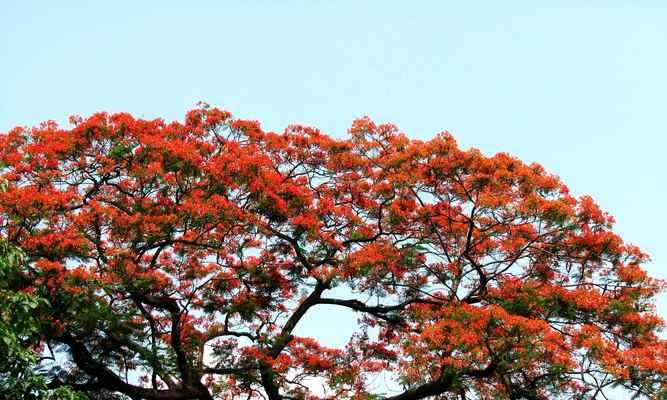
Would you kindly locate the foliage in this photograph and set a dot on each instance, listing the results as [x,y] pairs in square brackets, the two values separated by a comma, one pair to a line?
[175,261]
[19,333]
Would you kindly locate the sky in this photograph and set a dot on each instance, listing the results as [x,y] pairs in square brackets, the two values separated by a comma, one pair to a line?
[577,86]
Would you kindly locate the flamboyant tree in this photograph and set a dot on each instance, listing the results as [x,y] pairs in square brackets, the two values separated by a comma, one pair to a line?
[175,261]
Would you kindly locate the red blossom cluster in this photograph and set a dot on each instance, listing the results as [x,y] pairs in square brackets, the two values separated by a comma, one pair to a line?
[189,252]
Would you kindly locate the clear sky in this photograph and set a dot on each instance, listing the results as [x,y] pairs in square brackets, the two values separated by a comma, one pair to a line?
[578,86]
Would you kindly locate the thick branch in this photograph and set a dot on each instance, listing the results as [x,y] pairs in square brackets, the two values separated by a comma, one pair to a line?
[441,385]
[171,305]
[105,378]
[267,373]
[379,311]
[283,339]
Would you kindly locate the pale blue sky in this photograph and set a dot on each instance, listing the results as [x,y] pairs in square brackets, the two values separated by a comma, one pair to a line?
[579,86]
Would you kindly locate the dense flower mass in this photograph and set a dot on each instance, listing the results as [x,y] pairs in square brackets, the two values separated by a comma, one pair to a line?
[177,259]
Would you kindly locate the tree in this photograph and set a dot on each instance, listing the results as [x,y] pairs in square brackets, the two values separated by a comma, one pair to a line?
[177,259]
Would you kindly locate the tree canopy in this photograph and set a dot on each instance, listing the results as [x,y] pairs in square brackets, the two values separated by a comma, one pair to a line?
[175,261]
